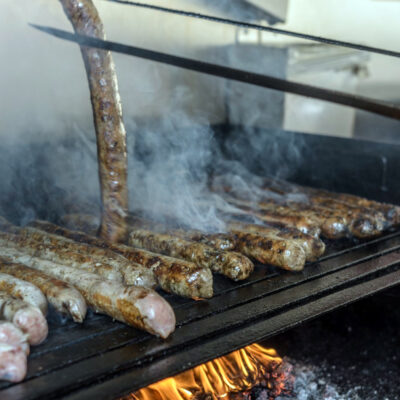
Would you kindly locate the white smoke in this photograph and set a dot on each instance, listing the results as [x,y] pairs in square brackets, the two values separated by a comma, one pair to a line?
[48,158]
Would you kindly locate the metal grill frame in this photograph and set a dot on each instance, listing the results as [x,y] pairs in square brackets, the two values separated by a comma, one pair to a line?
[104,360]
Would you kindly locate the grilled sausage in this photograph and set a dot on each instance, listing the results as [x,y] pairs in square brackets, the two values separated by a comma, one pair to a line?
[332,226]
[283,220]
[282,253]
[20,289]
[233,265]
[219,241]
[313,247]
[29,319]
[215,240]
[390,211]
[13,336]
[361,223]
[107,114]
[382,214]
[136,306]
[358,224]
[13,352]
[183,278]
[271,250]
[62,296]
[34,248]
[13,363]
[335,223]
[366,215]
[79,255]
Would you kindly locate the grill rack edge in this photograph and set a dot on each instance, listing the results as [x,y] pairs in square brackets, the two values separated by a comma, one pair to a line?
[104,360]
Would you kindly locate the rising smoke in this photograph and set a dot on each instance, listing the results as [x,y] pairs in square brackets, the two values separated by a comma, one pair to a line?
[48,158]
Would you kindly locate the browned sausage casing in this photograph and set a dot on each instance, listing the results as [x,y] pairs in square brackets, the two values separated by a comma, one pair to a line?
[313,247]
[13,336]
[336,222]
[367,215]
[26,317]
[233,265]
[140,307]
[267,249]
[181,277]
[23,290]
[303,224]
[62,296]
[332,226]
[279,252]
[107,114]
[78,255]
[382,213]
[13,352]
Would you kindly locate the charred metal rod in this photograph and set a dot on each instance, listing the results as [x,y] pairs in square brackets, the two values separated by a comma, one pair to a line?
[248,25]
[362,103]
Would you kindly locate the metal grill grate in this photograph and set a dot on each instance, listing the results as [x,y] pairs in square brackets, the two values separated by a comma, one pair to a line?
[103,359]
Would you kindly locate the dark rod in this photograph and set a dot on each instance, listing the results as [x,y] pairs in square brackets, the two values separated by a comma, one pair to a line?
[248,25]
[362,103]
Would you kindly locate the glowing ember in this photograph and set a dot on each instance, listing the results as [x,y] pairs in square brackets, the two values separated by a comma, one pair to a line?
[236,372]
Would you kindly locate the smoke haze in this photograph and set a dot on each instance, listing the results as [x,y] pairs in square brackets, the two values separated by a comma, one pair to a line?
[48,160]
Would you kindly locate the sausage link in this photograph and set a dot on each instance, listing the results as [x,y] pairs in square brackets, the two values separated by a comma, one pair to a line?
[34,248]
[233,265]
[366,215]
[282,220]
[271,250]
[11,335]
[20,289]
[335,219]
[13,363]
[181,277]
[332,226]
[62,296]
[136,306]
[29,319]
[313,247]
[80,255]
[107,115]
[14,350]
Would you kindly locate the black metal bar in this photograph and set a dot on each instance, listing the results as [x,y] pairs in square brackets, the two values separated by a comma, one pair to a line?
[362,103]
[123,351]
[248,25]
[143,376]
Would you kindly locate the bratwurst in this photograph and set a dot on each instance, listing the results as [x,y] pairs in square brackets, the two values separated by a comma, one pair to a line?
[20,289]
[181,277]
[107,115]
[62,296]
[78,255]
[14,350]
[26,317]
[231,264]
[136,306]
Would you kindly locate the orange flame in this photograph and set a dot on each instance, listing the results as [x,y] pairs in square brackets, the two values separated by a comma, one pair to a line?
[236,372]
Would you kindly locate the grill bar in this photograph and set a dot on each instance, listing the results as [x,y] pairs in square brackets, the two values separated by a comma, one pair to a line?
[102,359]
[204,352]
[265,81]
[248,25]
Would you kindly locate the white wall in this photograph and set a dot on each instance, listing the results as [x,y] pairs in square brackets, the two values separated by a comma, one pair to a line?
[43,82]
[371,22]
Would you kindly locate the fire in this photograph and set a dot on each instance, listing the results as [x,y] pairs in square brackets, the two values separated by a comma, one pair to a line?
[236,372]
